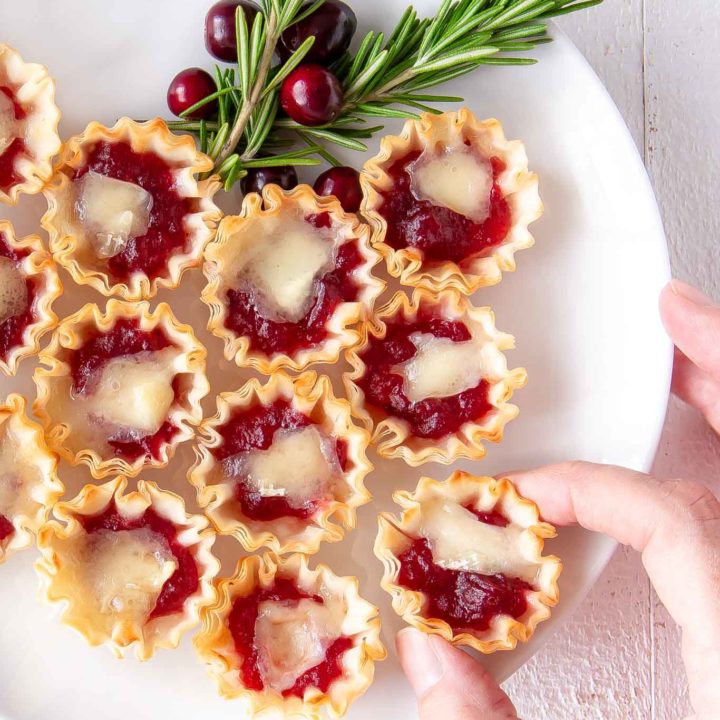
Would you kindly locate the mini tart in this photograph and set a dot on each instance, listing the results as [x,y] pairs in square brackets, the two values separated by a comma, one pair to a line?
[429,379]
[450,200]
[29,122]
[120,389]
[280,462]
[29,485]
[464,560]
[29,285]
[126,212]
[287,278]
[285,638]
[131,568]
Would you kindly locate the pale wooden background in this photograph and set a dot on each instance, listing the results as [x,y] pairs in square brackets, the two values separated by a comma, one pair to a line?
[618,658]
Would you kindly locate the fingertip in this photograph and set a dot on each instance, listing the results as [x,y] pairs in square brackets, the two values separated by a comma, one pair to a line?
[419,660]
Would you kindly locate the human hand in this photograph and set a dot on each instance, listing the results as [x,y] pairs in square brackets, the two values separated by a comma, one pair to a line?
[674,524]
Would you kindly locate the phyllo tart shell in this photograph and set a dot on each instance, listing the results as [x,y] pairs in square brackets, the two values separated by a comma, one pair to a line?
[37,267]
[236,241]
[492,498]
[70,241]
[393,435]
[29,486]
[359,623]
[518,186]
[312,397]
[81,441]
[33,90]
[82,568]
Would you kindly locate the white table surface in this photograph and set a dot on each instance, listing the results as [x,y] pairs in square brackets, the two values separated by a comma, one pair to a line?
[619,657]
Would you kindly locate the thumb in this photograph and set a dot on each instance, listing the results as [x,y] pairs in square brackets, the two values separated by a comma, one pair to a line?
[449,683]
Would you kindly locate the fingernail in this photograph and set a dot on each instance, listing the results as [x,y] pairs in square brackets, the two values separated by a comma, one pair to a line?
[690,293]
[420,661]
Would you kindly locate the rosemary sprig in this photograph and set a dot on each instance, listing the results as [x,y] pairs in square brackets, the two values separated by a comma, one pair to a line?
[383,78]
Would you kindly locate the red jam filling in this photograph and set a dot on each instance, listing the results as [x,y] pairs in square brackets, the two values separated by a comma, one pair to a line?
[182,583]
[253,429]
[166,233]
[489,518]
[6,528]
[464,600]
[241,623]
[430,418]
[330,290]
[441,233]
[13,329]
[125,338]
[8,175]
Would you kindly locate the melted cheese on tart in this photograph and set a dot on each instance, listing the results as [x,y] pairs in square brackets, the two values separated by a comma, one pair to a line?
[457,179]
[300,466]
[126,570]
[284,270]
[13,289]
[18,473]
[113,211]
[9,126]
[136,391]
[294,637]
[459,541]
[441,367]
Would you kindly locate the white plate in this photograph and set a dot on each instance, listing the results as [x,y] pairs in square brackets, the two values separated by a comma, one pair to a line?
[582,305]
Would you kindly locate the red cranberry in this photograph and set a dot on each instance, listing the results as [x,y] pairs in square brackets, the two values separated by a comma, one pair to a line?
[344,184]
[189,87]
[311,95]
[258,178]
[333,24]
[220,38]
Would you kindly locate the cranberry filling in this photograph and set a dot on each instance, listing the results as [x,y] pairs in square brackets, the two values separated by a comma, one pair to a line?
[182,583]
[6,528]
[166,233]
[253,429]
[333,288]
[441,233]
[241,623]
[125,338]
[464,600]
[13,328]
[489,518]
[8,175]
[432,417]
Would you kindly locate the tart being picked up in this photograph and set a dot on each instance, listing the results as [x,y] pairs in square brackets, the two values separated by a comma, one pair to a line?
[286,639]
[280,462]
[29,120]
[120,389]
[29,285]
[29,485]
[430,379]
[130,567]
[287,278]
[126,212]
[464,560]
[450,200]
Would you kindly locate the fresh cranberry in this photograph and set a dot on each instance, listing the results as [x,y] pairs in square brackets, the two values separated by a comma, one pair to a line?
[189,87]
[344,184]
[220,37]
[257,178]
[311,95]
[332,25]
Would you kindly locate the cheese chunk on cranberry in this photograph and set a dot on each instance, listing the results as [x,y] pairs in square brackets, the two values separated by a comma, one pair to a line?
[292,638]
[127,570]
[456,178]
